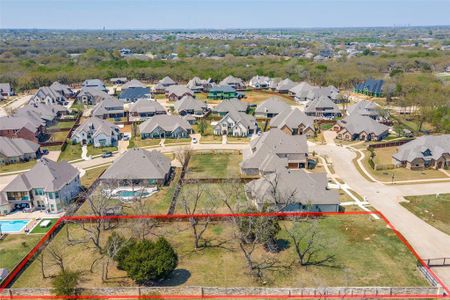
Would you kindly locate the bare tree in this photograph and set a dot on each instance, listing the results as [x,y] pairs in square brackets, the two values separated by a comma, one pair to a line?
[183,155]
[40,258]
[56,256]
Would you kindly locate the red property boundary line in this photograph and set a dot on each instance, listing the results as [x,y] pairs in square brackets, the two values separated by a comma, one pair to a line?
[18,268]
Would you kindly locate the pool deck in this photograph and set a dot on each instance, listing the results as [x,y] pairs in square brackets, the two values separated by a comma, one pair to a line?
[34,218]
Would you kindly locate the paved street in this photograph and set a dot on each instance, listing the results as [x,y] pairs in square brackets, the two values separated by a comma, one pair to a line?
[21,101]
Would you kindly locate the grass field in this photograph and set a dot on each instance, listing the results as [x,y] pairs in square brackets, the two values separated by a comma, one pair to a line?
[214,165]
[38,229]
[62,125]
[256,97]
[17,166]
[367,253]
[99,150]
[71,152]
[435,210]
[91,175]
[138,142]
[177,141]
[14,247]
[58,136]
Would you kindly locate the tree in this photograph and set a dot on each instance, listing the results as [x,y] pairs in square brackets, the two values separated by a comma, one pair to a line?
[202,126]
[65,284]
[147,261]
[183,155]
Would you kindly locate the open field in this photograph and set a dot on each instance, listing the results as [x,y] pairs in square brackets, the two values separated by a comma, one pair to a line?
[71,152]
[367,253]
[212,165]
[138,142]
[433,209]
[14,247]
[256,97]
[17,166]
[91,175]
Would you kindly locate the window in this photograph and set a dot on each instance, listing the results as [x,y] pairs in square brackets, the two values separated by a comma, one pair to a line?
[39,192]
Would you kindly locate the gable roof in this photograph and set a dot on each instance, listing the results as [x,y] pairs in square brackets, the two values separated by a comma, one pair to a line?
[166,122]
[40,113]
[167,81]
[97,126]
[189,103]
[231,104]
[98,94]
[101,108]
[231,80]
[138,164]
[356,124]
[133,83]
[302,86]
[179,90]
[437,144]
[61,88]
[292,118]
[247,121]
[46,174]
[146,105]
[17,147]
[17,123]
[272,105]
[45,91]
[285,85]
[364,107]
[134,93]
[371,85]
[222,88]
[322,102]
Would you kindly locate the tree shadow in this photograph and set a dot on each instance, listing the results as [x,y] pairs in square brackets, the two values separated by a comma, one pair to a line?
[177,277]
[283,244]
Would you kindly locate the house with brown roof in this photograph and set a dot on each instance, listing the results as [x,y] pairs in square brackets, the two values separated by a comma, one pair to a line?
[358,127]
[21,127]
[17,150]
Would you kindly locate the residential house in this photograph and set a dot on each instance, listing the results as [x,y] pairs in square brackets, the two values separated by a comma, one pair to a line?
[365,108]
[20,127]
[370,87]
[47,95]
[97,132]
[299,90]
[176,92]
[428,151]
[163,84]
[94,83]
[275,149]
[62,89]
[293,190]
[236,124]
[358,127]
[49,186]
[133,83]
[118,80]
[222,92]
[271,107]
[322,108]
[274,83]
[294,122]
[188,105]
[91,96]
[109,108]
[42,114]
[198,85]
[17,150]
[259,82]
[6,90]
[235,82]
[133,94]
[144,109]
[285,85]
[139,168]
[165,126]
[234,104]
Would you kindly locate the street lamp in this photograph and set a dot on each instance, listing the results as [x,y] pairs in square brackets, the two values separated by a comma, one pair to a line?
[393,176]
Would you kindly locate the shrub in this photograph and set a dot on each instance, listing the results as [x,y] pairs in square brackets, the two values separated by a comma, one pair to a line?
[65,284]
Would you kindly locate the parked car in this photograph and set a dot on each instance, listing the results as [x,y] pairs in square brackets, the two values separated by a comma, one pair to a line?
[44,151]
[126,138]
[194,140]
[107,154]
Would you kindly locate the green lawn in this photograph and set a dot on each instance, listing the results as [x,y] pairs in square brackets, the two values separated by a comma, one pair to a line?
[62,125]
[59,136]
[38,229]
[237,140]
[435,210]
[177,141]
[91,175]
[138,142]
[17,167]
[211,139]
[256,97]
[99,150]
[14,247]
[214,165]
[367,253]
[71,152]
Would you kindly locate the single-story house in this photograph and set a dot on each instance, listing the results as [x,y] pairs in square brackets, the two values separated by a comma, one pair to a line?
[109,108]
[271,107]
[293,121]
[62,89]
[21,127]
[226,106]
[188,105]
[223,92]
[259,82]
[176,92]
[370,87]
[42,114]
[133,83]
[91,96]
[139,167]
[94,83]
[236,124]
[49,186]
[165,126]
[275,149]
[163,84]
[133,94]
[322,108]
[198,85]
[285,85]
[47,95]
[235,82]
[97,132]
[293,190]
[358,127]
[365,108]
[428,151]
[144,109]
[17,150]
[274,83]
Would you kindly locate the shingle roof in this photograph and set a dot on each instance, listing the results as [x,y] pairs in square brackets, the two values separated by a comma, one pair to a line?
[166,122]
[46,174]
[17,147]
[364,107]
[133,83]
[259,80]
[5,87]
[138,164]
[179,90]
[46,91]
[292,118]
[97,83]
[285,85]
[15,123]
[96,126]
[322,102]
[273,105]
[437,144]
[189,103]
[146,105]
[101,108]
[356,124]
[222,88]
[231,104]
[61,88]
[247,121]
[167,81]
[293,186]
[229,80]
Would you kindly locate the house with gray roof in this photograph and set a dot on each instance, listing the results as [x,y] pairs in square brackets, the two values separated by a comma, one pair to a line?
[176,92]
[6,90]
[358,127]
[234,82]
[300,89]
[322,108]
[165,126]
[133,83]
[275,149]
[139,167]
[109,108]
[236,124]
[97,132]
[133,94]
[47,95]
[285,85]
[21,127]
[234,104]
[428,151]
[94,83]
[163,84]
[49,186]
[188,105]
[144,109]
[62,89]
[365,108]
[91,96]
[293,190]
[271,107]
[293,121]
[259,82]
[17,150]
[42,114]
[274,83]
[198,85]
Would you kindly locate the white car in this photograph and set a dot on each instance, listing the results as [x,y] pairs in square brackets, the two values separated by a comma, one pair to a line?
[194,141]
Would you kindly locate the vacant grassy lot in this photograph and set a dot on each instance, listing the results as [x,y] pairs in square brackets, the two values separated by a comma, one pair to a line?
[367,253]
[14,247]
[91,175]
[214,165]
[17,167]
[435,210]
[256,97]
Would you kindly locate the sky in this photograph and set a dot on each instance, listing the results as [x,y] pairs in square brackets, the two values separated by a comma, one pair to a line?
[220,14]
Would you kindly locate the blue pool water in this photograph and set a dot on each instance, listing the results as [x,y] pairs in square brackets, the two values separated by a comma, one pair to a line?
[12,226]
[129,194]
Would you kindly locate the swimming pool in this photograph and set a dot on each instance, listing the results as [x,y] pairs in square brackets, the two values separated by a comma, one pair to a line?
[13,226]
[130,194]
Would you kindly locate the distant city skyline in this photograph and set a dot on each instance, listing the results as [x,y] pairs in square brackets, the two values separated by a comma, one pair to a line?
[220,14]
